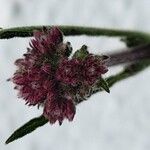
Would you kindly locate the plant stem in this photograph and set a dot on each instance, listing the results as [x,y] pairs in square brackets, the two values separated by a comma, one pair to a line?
[128,71]
[130,55]
[71,30]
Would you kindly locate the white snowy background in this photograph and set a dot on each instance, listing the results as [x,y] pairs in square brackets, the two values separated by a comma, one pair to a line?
[116,121]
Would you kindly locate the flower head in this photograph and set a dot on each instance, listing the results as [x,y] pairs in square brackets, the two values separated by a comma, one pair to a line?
[46,77]
[35,75]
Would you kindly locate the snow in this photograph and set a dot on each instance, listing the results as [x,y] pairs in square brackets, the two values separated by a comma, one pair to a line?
[116,121]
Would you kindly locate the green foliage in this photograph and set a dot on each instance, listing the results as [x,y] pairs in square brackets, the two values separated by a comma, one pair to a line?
[128,71]
[82,53]
[102,83]
[135,40]
[71,30]
[27,128]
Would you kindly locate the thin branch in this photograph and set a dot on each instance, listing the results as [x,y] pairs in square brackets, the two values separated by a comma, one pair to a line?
[128,71]
[130,55]
[71,30]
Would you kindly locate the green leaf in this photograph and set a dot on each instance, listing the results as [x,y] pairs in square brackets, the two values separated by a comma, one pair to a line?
[104,85]
[68,49]
[27,128]
[133,40]
[82,53]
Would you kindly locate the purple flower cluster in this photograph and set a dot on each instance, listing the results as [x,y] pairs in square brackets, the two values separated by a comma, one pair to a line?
[76,71]
[46,76]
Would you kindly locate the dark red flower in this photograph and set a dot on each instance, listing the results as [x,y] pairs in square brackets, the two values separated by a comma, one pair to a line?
[58,107]
[35,75]
[46,41]
[68,71]
[93,68]
[46,76]
[30,84]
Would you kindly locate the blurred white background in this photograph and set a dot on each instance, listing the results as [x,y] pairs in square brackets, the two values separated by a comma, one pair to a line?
[116,121]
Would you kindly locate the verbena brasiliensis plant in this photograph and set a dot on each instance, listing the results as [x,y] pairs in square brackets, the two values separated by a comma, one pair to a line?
[50,76]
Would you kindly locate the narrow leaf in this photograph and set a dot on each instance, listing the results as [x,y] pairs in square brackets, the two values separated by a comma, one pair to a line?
[27,128]
[103,84]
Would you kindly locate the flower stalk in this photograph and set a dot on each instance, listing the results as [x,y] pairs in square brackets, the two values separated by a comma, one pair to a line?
[72,31]
[130,55]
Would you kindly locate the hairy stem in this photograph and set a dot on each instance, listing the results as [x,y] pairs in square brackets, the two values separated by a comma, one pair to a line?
[71,30]
[130,55]
[129,71]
